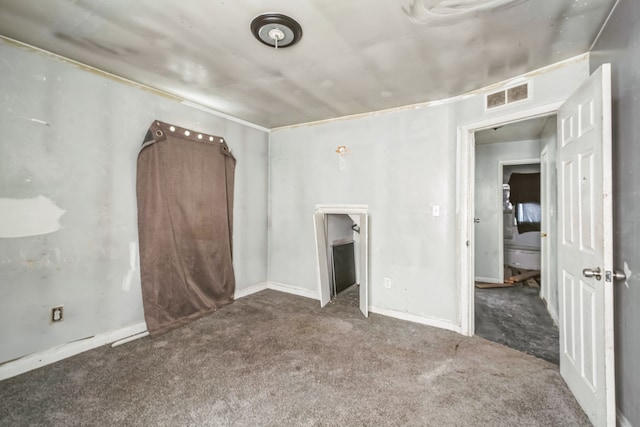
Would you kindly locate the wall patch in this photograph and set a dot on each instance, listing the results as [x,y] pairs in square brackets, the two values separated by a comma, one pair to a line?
[29,217]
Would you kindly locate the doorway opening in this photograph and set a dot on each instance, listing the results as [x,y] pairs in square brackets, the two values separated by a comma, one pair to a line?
[339,232]
[583,257]
[342,253]
[509,307]
[510,206]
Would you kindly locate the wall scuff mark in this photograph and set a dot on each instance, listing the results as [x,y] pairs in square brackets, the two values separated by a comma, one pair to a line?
[42,122]
[29,217]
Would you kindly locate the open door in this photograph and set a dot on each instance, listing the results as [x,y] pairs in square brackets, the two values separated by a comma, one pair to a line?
[360,218]
[364,264]
[321,253]
[585,247]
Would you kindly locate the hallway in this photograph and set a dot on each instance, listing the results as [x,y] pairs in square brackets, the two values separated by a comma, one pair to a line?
[517,317]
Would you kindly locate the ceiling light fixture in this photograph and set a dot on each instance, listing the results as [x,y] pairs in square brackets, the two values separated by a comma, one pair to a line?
[276,30]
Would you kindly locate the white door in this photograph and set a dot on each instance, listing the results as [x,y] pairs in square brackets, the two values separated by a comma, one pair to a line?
[545,255]
[364,264]
[585,247]
[323,263]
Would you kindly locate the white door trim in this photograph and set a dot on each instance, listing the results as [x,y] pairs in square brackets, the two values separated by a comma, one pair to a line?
[465,193]
[544,229]
[360,213]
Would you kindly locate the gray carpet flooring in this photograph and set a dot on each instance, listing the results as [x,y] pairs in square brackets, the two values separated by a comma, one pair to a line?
[518,318]
[273,359]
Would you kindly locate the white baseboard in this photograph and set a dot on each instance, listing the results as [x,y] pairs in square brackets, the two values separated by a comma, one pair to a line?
[138,330]
[46,357]
[487,280]
[622,420]
[307,293]
[429,321]
[241,293]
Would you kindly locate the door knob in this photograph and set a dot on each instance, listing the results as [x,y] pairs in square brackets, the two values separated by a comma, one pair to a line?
[592,272]
[543,234]
[476,220]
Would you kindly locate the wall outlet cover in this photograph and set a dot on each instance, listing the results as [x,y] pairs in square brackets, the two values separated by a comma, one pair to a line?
[57,314]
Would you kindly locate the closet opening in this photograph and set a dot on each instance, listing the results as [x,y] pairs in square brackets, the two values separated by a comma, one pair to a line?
[342,253]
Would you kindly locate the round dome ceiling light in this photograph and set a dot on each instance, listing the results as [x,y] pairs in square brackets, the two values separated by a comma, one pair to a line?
[276,30]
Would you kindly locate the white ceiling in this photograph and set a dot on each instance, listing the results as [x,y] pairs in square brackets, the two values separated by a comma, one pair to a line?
[355,56]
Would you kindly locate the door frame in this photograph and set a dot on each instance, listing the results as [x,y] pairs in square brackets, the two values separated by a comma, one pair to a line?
[545,254]
[465,203]
[501,165]
[361,240]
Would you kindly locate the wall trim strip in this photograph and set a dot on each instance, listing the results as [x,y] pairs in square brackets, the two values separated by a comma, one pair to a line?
[139,330]
[245,292]
[303,292]
[428,321]
[55,354]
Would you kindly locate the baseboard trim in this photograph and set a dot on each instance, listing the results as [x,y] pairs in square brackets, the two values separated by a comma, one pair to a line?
[429,321]
[622,420]
[307,293]
[55,354]
[241,293]
[280,287]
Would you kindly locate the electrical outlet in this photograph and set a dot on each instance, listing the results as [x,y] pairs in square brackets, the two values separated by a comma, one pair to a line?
[57,314]
[387,282]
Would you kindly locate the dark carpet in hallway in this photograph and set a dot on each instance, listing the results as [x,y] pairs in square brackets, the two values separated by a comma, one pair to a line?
[518,318]
[273,359]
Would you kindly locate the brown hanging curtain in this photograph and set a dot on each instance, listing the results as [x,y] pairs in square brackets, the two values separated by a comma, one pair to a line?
[185,225]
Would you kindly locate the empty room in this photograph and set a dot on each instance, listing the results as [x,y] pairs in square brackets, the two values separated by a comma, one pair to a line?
[279,213]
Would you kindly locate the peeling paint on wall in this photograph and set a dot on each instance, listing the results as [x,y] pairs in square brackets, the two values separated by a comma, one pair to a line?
[29,217]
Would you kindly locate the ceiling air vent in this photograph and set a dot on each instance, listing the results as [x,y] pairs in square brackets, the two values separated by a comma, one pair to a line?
[496,99]
[518,93]
[507,96]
